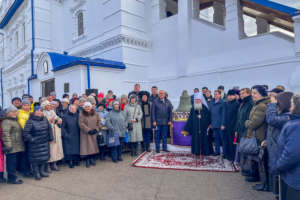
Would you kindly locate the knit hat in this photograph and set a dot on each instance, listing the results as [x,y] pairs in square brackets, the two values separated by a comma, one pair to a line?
[284,101]
[101,94]
[16,98]
[100,104]
[26,102]
[296,100]
[37,108]
[116,102]
[65,100]
[11,109]
[261,90]
[53,93]
[91,99]
[231,92]
[45,103]
[86,104]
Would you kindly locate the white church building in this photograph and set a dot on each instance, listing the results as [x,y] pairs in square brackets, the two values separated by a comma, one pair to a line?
[69,46]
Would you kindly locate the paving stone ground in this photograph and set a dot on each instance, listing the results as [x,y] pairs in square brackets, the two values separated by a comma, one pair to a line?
[121,181]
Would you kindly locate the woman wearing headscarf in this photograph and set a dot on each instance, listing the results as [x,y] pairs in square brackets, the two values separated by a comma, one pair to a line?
[133,115]
[56,149]
[70,136]
[146,120]
[38,133]
[90,124]
[116,124]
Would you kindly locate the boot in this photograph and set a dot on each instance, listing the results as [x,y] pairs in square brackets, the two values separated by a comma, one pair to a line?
[54,167]
[87,163]
[15,181]
[92,161]
[47,168]
[36,172]
[148,147]
[2,179]
[71,165]
[43,173]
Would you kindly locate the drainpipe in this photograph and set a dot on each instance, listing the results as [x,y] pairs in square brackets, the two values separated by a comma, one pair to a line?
[88,75]
[33,76]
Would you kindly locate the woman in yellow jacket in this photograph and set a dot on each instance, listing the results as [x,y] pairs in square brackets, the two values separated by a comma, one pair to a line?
[23,116]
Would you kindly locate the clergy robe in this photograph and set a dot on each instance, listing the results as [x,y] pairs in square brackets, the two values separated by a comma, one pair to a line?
[200,141]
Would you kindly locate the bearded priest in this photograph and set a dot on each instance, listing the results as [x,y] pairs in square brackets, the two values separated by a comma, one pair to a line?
[197,125]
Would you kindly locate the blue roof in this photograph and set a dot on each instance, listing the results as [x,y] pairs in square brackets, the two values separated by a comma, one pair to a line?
[10,13]
[277,6]
[63,61]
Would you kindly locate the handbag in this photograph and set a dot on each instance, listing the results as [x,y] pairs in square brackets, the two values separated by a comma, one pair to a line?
[249,145]
[127,137]
[130,124]
[113,140]
[101,139]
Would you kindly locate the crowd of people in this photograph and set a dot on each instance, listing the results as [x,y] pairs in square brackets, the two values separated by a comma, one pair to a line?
[37,137]
[257,129]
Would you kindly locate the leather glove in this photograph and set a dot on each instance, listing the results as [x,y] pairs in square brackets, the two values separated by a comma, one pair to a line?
[91,132]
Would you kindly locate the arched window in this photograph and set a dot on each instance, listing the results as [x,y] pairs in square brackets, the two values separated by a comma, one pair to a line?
[80,23]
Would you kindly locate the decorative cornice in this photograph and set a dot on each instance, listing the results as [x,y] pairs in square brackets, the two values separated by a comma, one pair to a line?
[119,39]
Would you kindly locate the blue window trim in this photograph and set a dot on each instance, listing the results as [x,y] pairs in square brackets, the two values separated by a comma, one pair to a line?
[10,13]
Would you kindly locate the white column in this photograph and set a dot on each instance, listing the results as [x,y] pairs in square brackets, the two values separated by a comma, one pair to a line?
[234,21]
[297,34]
[183,34]
[219,13]
[196,8]
[158,8]
[263,25]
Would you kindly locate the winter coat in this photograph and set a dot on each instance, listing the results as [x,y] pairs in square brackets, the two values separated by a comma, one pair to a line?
[242,116]
[56,149]
[12,136]
[218,113]
[116,122]
[287,160]
[1,153]
[256,123]
[38,133]
[275,123]
[88,122]
[230,121]
[23,116]
[61,112]
[102,114]
[161,111]
[146,109]
[152,98]
[134,111]
[70,134]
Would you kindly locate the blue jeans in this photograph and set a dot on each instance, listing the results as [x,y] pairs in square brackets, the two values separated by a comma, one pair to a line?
[219,139]
[161,132]
[116,152]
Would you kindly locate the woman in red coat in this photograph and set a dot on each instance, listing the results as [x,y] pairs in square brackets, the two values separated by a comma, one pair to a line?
[2,179]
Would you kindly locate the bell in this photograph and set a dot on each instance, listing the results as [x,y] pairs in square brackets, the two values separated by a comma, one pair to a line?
[185,104]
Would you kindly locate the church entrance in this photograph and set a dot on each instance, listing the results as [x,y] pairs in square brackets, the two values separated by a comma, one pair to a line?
[47,87]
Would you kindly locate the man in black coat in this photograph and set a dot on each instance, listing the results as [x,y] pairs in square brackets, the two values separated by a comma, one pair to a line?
[70,136]
[230,120]
[161,113]
[197,125]
[240,129]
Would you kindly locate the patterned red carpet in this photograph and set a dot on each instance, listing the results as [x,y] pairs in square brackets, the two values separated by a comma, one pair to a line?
[183,161]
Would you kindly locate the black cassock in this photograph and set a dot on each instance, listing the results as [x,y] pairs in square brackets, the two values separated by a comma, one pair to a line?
[200,140]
